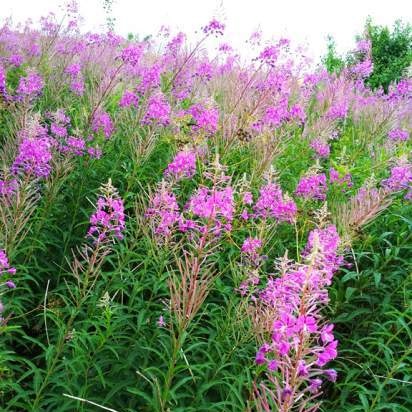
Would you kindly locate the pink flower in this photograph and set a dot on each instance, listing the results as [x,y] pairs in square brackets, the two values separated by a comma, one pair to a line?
[312,187]
[103,122]
[183,165]
[30,86]
[108,221]
[400,135]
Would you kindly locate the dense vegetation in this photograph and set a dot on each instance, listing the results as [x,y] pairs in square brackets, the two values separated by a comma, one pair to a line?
[390,53]
[180,232]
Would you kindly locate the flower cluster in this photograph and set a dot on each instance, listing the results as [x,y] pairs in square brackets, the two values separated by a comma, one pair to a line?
[8,187]
[102,122]
[205,118]
[158,110]
[132,54]
[30,86]
[336,178]
[34,155]
[312,186]
[128,99]
[214,27]
[400,179]
[321,148]
[215,206]
[163,212]
[5,272]
[183,165]
[302,342]
[76,78]
[400,135]
[273,204]
[108,221]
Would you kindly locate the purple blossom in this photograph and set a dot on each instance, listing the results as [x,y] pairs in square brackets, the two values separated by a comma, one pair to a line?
[77,86]
[312,187]
[321,148]
[399,179]
[299,336]
[16,60]
[214,27]
[132,54]
[250,246]
[34,156]
[206,118]
[183,165]
[163,212]
[73,69]
[8,187]
[158,110]
[108,221]
[400,135]
[30,86]
[216,206]
[336,178]
[103,122]
[128,99]
[272,204]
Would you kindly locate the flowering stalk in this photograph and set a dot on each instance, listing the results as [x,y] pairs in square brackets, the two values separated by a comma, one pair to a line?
[302,341]
[107,224]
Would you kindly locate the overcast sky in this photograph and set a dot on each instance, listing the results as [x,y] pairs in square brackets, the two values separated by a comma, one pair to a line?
[303,21]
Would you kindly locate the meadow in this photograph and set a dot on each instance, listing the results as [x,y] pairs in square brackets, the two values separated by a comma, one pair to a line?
[188,231]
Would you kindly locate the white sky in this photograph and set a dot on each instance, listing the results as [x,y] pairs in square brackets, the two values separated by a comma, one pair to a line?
[303,21]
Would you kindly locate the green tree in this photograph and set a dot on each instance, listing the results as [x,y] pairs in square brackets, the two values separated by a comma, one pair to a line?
[332,61]
[391,52]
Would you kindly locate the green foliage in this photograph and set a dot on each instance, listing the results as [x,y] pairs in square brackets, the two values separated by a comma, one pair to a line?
[332,61]
[391,52]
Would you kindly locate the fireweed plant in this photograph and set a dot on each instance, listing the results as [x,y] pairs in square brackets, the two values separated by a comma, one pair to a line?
[250,251]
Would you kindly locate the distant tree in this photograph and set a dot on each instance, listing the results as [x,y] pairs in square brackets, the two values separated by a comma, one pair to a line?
[332,61]
[110,19]
[391,52]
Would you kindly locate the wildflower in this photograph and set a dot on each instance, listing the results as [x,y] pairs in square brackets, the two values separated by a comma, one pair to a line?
[250,246]
[128,99]
[400,135]
[16,60]
[334,177]
[215,205]
[8,187]
[77,86]
[150,78]
[161,322]
[94,152]
[5,265]
[30,86]
[108,221]
[3,90]
[321,149]
[103,122]
[338,111]
[214,27]
[272,203]
[295,300]
[183,165]
[158,110]
[312,187]
[400,178]
[247,198]
[75,145]
[34,156]
[205,119]
[73,69]
[57,130]
[163,212]
[132,54]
